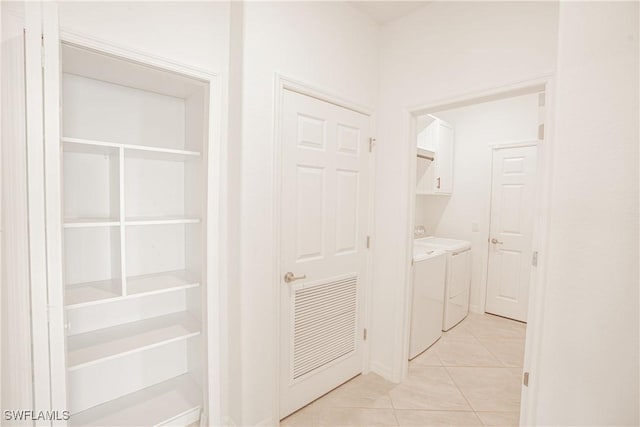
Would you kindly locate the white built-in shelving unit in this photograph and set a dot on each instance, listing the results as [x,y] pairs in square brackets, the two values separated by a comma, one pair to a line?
[134,170]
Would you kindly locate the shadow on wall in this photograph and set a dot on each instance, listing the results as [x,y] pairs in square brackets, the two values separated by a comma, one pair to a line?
[430,211]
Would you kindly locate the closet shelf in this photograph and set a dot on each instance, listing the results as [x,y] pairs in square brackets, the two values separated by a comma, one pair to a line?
[90,222]
[161,282]
[105,344]
[85,294]
[160,404]
[426,154]
[82,294]
[81,145]
[160,220]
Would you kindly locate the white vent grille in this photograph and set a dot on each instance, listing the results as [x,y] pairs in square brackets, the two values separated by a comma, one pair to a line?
[324,326]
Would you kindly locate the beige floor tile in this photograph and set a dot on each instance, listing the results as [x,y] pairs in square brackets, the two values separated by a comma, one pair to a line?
[364,391]
[428,388]
[436,418]
[427,358]
[509,351]
[489,389]
[356,417]
[460,331]
[305,417]
[469,352]
[500,419]
[489,326]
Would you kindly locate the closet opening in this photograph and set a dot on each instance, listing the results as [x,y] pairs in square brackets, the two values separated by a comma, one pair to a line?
[134,172]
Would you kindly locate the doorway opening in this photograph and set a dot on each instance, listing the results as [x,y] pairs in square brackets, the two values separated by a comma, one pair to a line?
[480,185]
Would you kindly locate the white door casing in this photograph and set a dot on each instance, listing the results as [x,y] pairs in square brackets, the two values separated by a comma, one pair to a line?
[324,216]
[510,240]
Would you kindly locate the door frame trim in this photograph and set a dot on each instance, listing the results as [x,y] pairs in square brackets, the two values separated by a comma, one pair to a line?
[281,84]
[535,316]
[484,284]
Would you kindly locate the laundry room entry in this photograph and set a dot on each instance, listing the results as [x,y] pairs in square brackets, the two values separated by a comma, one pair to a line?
[476,175]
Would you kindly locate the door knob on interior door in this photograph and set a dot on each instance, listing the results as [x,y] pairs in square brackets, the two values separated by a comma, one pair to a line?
[289,277]
[496,241]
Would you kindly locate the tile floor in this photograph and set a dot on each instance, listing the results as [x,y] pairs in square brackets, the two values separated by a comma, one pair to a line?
[470,377]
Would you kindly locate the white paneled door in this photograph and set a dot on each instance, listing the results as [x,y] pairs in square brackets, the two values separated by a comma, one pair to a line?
[512,203]
[324,213]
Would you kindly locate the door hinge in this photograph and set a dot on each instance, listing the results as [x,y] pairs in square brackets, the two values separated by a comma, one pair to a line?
[541,131]
[525,379]
[534,259]
[364,334]
[368,242]
[372,143]
[541,99]
[42,50]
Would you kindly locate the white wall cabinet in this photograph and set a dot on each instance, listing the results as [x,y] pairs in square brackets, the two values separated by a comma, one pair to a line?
[435,177]
[133,164]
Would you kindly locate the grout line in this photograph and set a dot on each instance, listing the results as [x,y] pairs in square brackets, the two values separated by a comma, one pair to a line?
[459,389]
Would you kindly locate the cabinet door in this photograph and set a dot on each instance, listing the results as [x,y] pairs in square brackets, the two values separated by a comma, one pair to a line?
[443,182]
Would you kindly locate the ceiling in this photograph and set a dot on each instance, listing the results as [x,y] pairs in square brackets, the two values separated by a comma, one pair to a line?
[385,11]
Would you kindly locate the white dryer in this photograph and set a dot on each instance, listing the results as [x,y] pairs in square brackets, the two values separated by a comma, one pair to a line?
[458,277]
[429,271]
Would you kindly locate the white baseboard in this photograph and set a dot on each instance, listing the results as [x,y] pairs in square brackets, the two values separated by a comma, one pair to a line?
[269,422]
[384,372]
[229,422]
[475,309]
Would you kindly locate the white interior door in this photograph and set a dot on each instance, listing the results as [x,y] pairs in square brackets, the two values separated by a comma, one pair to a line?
[325,161]
[512,202]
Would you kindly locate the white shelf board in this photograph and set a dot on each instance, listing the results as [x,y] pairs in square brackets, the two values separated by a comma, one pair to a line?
[90,222]
[161,282]
[423,152]
[132,150]
[72,145]
[81,294]
[105,344]
[157,405]
[86,294]
[160,220]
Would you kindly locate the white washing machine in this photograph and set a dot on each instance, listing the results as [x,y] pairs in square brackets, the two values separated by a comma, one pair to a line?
[429,269]
[458,277]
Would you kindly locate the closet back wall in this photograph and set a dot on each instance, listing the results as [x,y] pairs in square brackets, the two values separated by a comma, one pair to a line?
[477,127]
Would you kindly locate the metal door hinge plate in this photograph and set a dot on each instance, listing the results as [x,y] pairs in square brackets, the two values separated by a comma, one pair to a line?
[368,242]
[364,334]
[534,259]
[372,143]
[525,379]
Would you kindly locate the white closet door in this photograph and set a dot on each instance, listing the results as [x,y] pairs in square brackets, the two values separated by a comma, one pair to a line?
[513,192]
[325,176]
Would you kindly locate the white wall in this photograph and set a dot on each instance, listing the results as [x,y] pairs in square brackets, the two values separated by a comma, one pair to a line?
[444,50]
[476,128]
[194,33]
[588,370]
[17,368]
[329,45]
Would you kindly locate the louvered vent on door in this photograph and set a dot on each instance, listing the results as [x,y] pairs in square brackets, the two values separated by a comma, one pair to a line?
[324,327]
